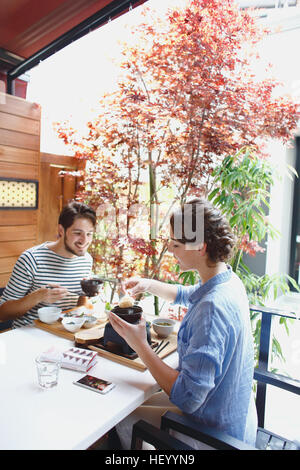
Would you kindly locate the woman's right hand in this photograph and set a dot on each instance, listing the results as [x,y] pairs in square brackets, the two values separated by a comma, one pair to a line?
[137,285]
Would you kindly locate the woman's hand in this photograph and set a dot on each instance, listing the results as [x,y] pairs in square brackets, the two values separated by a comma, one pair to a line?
[137,285]
[135,335]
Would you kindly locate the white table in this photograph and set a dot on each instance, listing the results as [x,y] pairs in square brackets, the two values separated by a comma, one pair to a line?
[67,416]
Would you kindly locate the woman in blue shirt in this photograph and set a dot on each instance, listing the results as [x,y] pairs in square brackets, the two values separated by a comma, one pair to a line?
[213,381]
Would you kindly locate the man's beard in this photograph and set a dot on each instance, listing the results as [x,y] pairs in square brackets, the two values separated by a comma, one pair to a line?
[69,249]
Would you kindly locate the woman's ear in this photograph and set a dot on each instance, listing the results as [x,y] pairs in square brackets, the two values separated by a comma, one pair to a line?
[202,248]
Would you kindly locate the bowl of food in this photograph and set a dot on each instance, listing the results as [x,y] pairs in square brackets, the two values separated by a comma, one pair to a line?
[90,321]
[91,287]
[163,327]
[76,312]
[126,301]
[49,314]
[73,324]
[131,314]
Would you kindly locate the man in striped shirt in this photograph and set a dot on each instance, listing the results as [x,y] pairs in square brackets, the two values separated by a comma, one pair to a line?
[50,273]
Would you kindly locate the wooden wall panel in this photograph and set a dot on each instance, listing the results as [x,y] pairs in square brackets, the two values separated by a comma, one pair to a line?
[4,278]
[20,217]
[20,140]
[19,158]
[19,124]
[18,232]
[18,170]
[7,264]
[18,155]
[15,247]
[19,107]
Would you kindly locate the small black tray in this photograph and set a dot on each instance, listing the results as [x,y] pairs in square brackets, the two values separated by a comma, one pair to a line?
[116,349]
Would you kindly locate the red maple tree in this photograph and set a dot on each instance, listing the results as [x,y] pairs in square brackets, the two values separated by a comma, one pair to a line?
[187,97]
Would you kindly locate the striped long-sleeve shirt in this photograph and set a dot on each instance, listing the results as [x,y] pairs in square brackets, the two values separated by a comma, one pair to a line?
[39,266]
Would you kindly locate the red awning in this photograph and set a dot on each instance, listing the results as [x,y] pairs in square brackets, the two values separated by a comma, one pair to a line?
[28,26]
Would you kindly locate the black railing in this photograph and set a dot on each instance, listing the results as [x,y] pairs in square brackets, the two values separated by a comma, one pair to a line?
[262,374]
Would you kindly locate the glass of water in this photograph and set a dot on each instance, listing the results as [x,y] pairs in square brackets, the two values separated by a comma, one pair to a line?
[47,372]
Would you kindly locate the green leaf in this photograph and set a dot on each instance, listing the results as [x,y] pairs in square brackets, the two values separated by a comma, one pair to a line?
[213,194]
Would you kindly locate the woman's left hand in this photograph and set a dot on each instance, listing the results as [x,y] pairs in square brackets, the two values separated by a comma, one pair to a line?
[135,335]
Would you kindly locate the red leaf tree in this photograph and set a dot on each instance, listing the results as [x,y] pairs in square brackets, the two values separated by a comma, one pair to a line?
[187,97]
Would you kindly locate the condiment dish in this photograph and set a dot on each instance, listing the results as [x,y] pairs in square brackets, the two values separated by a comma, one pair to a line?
[89,321]
[76,312]
[163,327]
[73,324]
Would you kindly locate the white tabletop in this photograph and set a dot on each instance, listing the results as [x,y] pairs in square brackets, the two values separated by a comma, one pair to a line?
[66,416]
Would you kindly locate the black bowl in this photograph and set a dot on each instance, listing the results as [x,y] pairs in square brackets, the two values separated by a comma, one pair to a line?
[91,287]
[130,314]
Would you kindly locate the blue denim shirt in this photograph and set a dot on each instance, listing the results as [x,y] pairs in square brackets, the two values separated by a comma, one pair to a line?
[216,357]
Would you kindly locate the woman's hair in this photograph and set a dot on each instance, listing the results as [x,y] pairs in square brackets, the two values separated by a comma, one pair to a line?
[215,229]
[76,210]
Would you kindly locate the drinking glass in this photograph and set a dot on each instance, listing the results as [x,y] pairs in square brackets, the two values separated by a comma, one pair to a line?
[47,372]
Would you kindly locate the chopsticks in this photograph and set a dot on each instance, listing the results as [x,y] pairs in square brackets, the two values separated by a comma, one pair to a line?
[161,346]
[158,346]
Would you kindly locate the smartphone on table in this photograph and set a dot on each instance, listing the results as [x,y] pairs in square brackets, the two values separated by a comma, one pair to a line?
[94,383]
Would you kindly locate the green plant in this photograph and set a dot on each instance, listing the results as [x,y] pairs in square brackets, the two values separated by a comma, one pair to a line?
[241,185]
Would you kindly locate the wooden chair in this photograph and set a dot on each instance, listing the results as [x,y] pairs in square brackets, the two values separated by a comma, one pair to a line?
[266,440]
[5,325]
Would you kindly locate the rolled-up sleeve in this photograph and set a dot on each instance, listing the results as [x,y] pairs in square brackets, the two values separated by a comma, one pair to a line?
[183,294]
[201,362]
[188,392]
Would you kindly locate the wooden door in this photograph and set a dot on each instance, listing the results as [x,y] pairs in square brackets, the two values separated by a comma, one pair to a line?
[55,192]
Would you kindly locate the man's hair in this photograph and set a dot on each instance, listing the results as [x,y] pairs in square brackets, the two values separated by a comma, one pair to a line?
[216,230]
[76,210]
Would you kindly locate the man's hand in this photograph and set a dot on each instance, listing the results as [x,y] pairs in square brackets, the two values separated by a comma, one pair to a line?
[52,293]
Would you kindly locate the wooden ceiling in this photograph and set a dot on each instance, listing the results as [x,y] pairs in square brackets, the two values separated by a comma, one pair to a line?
[27,26]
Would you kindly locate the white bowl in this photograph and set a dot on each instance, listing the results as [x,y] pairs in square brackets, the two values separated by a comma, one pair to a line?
[89,321]
[49,314]
[72,324]
[163,327]
[74,312]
